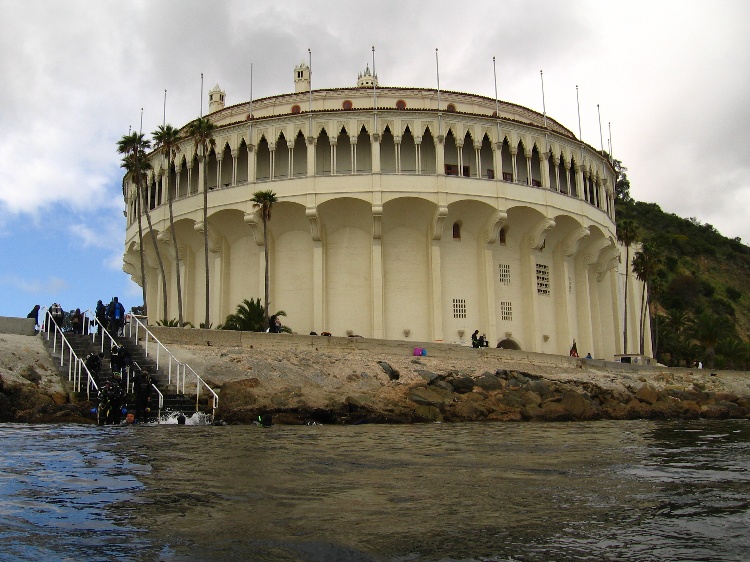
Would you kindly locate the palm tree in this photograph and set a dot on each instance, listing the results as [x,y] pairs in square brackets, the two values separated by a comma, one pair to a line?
[250,317]
[264,200]
[708,329]
[139,167]
[645,264]
[166,137]
[134,146]
[627,234]
[202,132]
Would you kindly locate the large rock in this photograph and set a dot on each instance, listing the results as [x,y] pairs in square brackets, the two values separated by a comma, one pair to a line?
[425,396]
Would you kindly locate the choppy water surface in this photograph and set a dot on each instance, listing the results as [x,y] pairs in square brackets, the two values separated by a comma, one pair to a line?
[580,491]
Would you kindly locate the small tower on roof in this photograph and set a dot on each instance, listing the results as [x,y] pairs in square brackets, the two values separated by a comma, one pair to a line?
[302,78]
[367,79]
[216,99]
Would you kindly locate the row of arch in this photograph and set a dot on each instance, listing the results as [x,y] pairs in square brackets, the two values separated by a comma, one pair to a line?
[352,231]
[523,162]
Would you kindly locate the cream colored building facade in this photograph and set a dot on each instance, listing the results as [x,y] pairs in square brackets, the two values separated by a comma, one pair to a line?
[403,213]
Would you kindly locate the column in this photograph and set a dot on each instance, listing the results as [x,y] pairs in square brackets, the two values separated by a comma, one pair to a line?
[397,146]
[375,146]
[377,273]
[310,157]
[235,154]
[544,170]
[334,154]
[418,154]
[219,160]
[250,163]
[478,155]
[271,158]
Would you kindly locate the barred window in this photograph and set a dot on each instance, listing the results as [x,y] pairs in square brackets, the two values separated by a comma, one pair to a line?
[542,279]
[504,273]
[506,310]
[459,308]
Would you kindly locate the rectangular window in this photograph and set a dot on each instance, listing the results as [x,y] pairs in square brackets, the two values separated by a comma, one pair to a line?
[490,174]
[507,176]
[506,310]
[466,172]
[542,279]
[504,273]
[459,308]
[451,170]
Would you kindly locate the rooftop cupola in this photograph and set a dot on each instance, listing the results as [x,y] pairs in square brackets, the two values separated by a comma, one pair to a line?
[302,78]
[367,79]
[216,99]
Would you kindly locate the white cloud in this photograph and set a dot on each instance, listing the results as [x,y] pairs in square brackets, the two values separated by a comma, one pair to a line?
[33,286]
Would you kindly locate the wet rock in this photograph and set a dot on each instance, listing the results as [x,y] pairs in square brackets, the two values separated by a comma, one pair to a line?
[7,411]
[428,376]
[461,384]
[425,396]
[468,410]
[488,381]
[426,413]
[392,373]
[648,394]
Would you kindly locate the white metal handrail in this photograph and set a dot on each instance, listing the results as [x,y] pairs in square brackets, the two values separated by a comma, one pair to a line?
[76,365]
[180,369]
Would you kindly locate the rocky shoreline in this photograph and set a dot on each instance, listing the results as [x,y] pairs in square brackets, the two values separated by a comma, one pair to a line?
[298,382]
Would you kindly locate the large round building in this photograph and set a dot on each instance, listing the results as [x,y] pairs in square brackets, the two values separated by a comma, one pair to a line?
[402,213]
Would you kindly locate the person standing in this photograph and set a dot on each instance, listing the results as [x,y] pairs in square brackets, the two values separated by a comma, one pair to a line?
[35,315]
[116,316]
[77,321]
[101,317]
[57,314]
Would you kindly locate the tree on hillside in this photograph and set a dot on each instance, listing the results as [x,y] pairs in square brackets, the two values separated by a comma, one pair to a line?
[264,200]
[627,234]
[708,329]
[166,138]
[202,132]
[645,265]
[622,183]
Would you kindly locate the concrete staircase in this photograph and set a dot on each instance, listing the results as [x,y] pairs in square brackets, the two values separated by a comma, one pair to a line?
[83,345]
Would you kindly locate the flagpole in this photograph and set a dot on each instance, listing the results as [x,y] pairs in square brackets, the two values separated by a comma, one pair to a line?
[309,104]
[164,119]
[250,117]
[374,92]
[609,124]
[601,138]
[201,94]
[497,106]
[544,113]
[440,115]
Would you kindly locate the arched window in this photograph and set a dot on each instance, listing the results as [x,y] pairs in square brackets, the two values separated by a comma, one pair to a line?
[400,104]
[457,231]
[347,104]
[296,109]
[451,108]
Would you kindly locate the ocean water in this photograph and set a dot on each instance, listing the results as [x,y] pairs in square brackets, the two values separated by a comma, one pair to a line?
[609,490]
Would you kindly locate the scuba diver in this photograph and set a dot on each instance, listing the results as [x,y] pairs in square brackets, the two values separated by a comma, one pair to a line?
[110,403]
[142,389]
[93,363]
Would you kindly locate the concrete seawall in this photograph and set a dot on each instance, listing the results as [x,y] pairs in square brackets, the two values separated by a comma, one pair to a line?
[17,326]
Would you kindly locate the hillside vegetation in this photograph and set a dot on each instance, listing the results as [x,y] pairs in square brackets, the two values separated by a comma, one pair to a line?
[697,279]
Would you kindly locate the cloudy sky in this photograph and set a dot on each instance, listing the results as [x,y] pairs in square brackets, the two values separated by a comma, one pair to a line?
[671,77]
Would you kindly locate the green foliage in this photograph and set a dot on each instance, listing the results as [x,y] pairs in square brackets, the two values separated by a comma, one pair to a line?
[174,323]
[697,282]
[733,294]
[250,317]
